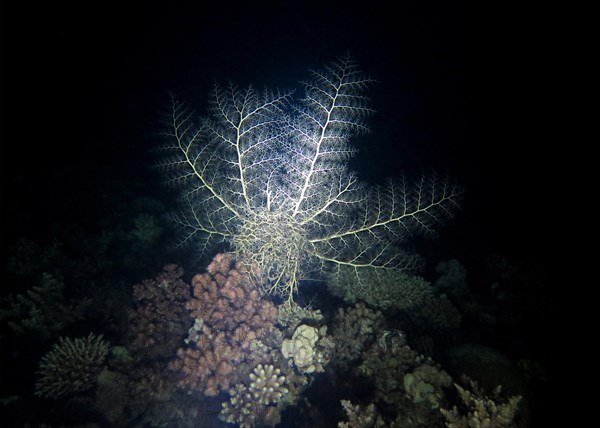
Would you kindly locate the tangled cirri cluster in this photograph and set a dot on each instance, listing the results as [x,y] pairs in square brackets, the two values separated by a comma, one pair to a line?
[230,318]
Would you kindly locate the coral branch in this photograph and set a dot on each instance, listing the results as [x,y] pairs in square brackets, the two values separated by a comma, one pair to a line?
[71,366]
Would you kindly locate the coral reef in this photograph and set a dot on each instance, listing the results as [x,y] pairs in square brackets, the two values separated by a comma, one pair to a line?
[159,320]
[436,315]
[292,315]
[257,402]
[382,289]
[43,308]
[358,416]
[241,407]
[424,384]
[354,330]
[488,366]
[267,384]
[408,388]
[233,327]
[452,279]
[112,396]
[301,348]
[71,366]
[483,411]
[386,366]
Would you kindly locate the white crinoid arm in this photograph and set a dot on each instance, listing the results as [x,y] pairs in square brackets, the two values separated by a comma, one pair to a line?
[384,220]
[222,165]
[332,111]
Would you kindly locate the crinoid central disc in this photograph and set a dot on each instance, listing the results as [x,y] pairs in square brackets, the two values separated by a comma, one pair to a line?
[277,244]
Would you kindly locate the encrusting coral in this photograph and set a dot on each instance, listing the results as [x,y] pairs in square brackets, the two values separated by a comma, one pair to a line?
[231,324]
[301,348]
[71,366]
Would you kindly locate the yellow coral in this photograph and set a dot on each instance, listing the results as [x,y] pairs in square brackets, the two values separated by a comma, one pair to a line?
[301,348]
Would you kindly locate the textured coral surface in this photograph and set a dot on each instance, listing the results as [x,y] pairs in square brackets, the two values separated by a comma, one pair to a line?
[232,320]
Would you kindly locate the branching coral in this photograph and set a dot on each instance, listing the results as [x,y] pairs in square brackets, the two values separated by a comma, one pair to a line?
[43,308]
[256,402]
[232,322]
[383,289]
[268,174]
[159,319]
[358,416]
[354,330]
[267,384]
[71,366]
[482,411]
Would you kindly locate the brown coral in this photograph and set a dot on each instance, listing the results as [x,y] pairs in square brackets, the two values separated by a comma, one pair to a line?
[355,329]
[159,320]
[232,318]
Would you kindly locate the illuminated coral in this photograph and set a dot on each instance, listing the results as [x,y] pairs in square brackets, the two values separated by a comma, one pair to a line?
[301,348]
[258,401]
[482,411]
[71,366]
[267,384]
[240,409]
[232,326]
[309,349]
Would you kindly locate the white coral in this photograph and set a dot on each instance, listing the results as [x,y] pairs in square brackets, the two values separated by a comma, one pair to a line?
[301,348]
[267,384]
